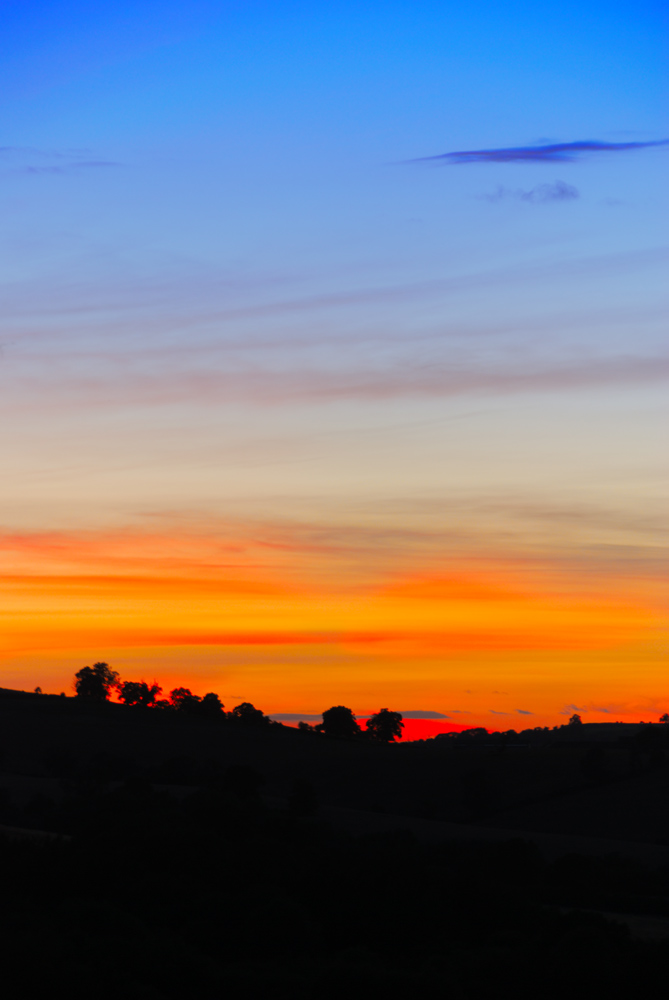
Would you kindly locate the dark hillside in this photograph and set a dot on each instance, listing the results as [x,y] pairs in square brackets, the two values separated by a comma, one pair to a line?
[196,856]
[607,782]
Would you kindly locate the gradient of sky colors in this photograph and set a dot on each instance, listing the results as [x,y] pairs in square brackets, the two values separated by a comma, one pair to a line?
[333,355]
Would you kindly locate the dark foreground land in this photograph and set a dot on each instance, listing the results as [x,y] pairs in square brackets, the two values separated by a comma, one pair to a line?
[148,855]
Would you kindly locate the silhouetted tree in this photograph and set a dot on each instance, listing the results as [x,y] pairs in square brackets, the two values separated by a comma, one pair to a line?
[139,693]
[183,700]
[338,721]
[575,720]
[95,683]
[247,715]
[212,706]
[385,726]
[665,718]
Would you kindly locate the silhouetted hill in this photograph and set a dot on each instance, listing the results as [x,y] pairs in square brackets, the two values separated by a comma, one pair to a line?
[201,857]
[598,780]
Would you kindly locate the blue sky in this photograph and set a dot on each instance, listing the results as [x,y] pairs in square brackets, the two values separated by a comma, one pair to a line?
[235,286]
[229,187]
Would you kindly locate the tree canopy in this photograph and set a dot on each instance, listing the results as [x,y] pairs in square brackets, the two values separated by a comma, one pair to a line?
[385,726]
[139,693]
[211,705]
[183,700]
[247,715]
[339,721]
[95,683]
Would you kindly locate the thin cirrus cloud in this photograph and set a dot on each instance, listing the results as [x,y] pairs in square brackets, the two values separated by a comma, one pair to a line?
[547,153]
[271,388]
[66,168]
[539,195]
[36,162]
[181,298]
[523,711]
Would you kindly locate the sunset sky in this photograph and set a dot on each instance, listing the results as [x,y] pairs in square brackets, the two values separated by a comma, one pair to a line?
[333,356]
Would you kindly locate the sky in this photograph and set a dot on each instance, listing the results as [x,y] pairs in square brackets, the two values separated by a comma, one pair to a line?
[333,355]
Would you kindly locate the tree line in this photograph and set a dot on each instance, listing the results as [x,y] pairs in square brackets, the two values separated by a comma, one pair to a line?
[97,683]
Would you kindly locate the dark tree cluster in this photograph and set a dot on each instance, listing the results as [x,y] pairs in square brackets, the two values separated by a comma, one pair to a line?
[139,693]
[97,683]
[340,722]
[184,701]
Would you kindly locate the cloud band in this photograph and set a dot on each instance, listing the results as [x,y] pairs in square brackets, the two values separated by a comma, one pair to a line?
[548,153]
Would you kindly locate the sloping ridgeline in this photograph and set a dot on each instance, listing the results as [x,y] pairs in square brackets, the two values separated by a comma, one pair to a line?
[201,858]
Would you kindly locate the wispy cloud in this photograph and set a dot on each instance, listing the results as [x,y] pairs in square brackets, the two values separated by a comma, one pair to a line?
[81,353]
[523,711]
[65,168]
[421,714]
[187,300]
[270,388]
[295,717]
[619,708]
[34,151]
[36,162]
[547,153]
[543,193]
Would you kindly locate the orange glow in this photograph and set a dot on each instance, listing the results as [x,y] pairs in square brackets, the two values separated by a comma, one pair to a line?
[229,611]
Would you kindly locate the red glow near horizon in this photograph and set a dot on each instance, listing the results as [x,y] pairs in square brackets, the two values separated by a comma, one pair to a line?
[425,729]
[416,729]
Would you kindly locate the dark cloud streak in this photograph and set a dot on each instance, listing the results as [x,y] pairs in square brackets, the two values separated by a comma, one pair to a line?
[427,714]
[294,717]
[549,153]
